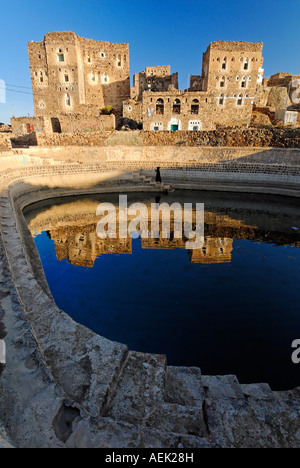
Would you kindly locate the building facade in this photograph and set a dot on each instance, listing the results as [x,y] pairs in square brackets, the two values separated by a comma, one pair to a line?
[74,75]
[222,96]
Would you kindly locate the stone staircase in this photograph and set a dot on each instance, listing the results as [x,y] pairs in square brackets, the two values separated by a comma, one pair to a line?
[202,411]
[151,182]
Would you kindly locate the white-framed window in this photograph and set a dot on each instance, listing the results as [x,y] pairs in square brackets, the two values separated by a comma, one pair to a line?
[105,78]
[244,82]
[246,65]
[67,100]
[224,64]
[102,55]
[157,126]
[194,125]
[60,56]
[222,100]
[239,101]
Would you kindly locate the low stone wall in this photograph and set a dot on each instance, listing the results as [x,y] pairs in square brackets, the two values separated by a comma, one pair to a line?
[5,143]
[71,123]
[72,139]
[255,137]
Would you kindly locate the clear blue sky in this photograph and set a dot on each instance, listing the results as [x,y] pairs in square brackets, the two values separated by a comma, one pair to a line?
[159,32]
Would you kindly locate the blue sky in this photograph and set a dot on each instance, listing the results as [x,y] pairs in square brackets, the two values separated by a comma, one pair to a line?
[165,32]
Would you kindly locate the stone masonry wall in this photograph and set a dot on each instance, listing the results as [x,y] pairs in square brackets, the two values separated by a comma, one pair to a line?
[256,137]
[5,143]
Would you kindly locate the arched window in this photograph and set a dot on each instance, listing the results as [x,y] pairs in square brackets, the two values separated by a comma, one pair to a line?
[195,107]
[60,56]
[67,99]
[244,82]
[223,82]
[246,64]
[224,64]
[177,106]
[240,100]
[160,107]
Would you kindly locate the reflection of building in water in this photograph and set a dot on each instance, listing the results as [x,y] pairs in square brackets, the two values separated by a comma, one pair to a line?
[214,250]
[81,246]
[72,227]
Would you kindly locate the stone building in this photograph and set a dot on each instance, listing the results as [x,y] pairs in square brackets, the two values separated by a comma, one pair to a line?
[153,79]
[280,95]
[222,96]
[74,75]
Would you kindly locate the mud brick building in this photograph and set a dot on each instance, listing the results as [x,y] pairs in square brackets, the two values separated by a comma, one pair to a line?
[74,75]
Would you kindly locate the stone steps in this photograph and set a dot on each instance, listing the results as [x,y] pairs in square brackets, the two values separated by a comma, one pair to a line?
[147,395]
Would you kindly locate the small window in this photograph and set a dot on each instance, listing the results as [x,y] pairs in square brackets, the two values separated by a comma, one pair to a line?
[66,77]
[246,64]
[195,107]
[240,100]
[177,106]
[223,82]
[221,100]
[102,54]
[41,77]
[60,57]
[68,100]
[89,60]
[224,64]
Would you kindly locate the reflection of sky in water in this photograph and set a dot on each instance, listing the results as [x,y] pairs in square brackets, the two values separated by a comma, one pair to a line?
[233,317]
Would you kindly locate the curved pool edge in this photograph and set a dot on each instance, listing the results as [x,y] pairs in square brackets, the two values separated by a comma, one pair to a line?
[116,397]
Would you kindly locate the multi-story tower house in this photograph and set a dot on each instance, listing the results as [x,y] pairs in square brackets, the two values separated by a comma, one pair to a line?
[74,75]
[223,96]
[231,71]
[153,79]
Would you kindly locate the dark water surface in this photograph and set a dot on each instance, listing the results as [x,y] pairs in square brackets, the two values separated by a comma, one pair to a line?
[232,308]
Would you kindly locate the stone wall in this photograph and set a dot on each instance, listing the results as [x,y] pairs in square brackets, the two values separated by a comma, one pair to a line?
[24,125]
[78,123]
[73,139]
[5,143]
[255,137]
